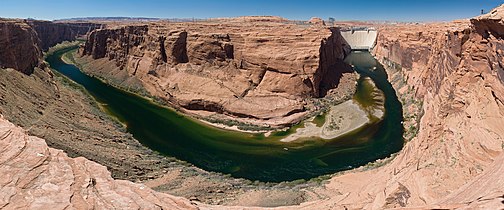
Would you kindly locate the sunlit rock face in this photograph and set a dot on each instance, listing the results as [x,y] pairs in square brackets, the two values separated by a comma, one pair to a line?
[261,71]
[455,160]
[55,181]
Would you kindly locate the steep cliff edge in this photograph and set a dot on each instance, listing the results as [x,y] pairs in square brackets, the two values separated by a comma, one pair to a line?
[261,72]
[53,108]
[51,33]
[454,161]
[448,77]
[490,24]
[34,176]
[22,41]
[19,46]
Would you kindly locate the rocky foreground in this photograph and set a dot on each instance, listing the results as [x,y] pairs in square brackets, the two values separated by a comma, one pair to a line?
[449,77]
[34,176]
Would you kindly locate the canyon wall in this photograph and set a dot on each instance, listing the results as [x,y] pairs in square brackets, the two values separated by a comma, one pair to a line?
[19,46]
[51,33]
[454,161]
[67,118]
[260,71]
[34,176]
[22,41]
[448,78]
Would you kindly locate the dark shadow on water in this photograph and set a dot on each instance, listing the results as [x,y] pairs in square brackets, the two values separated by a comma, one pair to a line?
[331,79]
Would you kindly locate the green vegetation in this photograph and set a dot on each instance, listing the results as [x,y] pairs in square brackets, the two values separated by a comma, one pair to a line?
[60,46]
[379,163]
[319,120]
[251,156]
[335,124]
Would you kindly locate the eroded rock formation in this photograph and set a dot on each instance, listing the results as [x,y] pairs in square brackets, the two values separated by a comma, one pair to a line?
[70,120]
[316,21]
[260,71]
[19,46]
[22,41]
[455,160]
[451,72]
[490,24]
[51,33]
[34,176]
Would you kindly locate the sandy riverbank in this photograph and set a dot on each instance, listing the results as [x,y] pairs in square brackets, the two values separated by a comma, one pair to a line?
[347,116]
[341,119]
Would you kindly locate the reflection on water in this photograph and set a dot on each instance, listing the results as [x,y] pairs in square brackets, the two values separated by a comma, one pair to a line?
[250,156]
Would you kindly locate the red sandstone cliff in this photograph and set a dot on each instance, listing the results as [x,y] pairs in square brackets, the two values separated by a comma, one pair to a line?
[448,76]
[455,161]
[19,46]
[51,33]
[258,71]
[22,41]
[452,72]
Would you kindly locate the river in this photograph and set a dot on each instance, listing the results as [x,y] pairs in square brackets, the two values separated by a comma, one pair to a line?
[243,155]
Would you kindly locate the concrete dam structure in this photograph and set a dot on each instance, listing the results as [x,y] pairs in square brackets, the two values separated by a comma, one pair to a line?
[361,38]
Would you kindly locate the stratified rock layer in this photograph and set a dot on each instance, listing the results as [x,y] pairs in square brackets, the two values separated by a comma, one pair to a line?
[455,160]
[69,119]
[22,41]
[51,33]
[34,176]
[19,46]
[259,71]
[453,71]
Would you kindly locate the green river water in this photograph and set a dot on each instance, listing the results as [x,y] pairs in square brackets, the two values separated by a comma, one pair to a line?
[250,156]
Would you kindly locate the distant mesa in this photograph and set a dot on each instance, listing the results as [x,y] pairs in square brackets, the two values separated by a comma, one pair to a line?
[122,19]
[267,18]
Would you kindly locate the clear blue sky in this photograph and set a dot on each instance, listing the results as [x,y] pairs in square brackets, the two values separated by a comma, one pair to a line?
[399,10]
